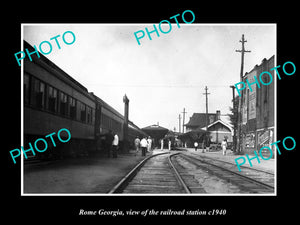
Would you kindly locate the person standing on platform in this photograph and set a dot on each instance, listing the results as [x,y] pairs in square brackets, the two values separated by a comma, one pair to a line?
[137,142]
[207,144]
[169,144]
[149,144]
[115,145]
[224,146]
[144,145]
[161,144]
[196,145]
[108,142]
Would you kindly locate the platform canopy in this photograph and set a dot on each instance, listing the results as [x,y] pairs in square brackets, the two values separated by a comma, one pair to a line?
[155,131]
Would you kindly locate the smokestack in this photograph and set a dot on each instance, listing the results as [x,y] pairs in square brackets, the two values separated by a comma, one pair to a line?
[218,114]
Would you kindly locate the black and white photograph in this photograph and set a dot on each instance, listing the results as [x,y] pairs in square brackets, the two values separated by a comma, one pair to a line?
[109,112]
[150,115]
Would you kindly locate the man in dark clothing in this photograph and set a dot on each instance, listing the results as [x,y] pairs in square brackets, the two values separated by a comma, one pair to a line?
[109,137]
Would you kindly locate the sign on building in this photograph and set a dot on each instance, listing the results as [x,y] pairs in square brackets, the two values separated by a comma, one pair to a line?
[252,96]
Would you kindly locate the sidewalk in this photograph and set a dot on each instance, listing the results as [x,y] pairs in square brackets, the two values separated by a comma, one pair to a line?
[80,175]
[266,165]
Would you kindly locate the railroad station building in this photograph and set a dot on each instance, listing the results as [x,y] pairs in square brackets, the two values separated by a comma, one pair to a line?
[257,124]
[217,129]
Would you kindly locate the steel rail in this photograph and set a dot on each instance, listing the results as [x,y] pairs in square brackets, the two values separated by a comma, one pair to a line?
[123,182]
[178,176]
[191,158]
[246,167]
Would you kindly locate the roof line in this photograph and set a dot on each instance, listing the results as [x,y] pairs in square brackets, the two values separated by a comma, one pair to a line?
[221,121]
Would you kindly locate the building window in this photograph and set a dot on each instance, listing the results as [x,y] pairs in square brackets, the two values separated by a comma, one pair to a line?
[26,89]
[52,99]
[39,93]
[82,112]
[72,103]
[63,104]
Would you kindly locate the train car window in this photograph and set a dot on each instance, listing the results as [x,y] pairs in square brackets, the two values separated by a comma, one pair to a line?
[117,126]
[105,121]
[109,123]
[113,125]
[72,103]
[63,103]
[26,89]
[52,99]
[39,93]
[82,112]
[101,119]
[89,114]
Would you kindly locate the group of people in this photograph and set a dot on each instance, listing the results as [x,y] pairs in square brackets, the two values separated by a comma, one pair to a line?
[162,144]
[145,145]
[110,142]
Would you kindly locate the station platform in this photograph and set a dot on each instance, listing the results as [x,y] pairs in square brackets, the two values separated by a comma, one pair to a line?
[266,165]
[98,175]
[93,175]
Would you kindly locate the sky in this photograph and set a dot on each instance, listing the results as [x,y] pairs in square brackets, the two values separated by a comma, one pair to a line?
[163,75]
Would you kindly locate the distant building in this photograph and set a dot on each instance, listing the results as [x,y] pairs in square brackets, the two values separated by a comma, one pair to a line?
[219,130]
[156,132]
[217,127]
[257,126]
[198,120]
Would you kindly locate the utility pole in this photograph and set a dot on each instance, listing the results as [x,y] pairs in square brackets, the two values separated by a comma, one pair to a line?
[239,133]
[179,118]
[234,125]
[204,143]
[184,112]
[206,117]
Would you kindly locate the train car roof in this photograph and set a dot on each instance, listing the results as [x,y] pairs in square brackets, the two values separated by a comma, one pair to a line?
[107,106]
[55,70]
[62,75]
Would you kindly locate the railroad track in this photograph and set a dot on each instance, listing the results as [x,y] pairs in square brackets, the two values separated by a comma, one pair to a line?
[250,181]
[179,173]
[156,174]
[259,175]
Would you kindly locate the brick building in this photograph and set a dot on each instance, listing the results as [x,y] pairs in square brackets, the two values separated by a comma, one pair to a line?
[258,118]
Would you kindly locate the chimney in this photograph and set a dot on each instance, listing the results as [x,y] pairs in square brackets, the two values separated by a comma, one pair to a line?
[218,114]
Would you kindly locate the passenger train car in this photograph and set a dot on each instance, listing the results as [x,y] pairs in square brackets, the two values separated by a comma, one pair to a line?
[54,100]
